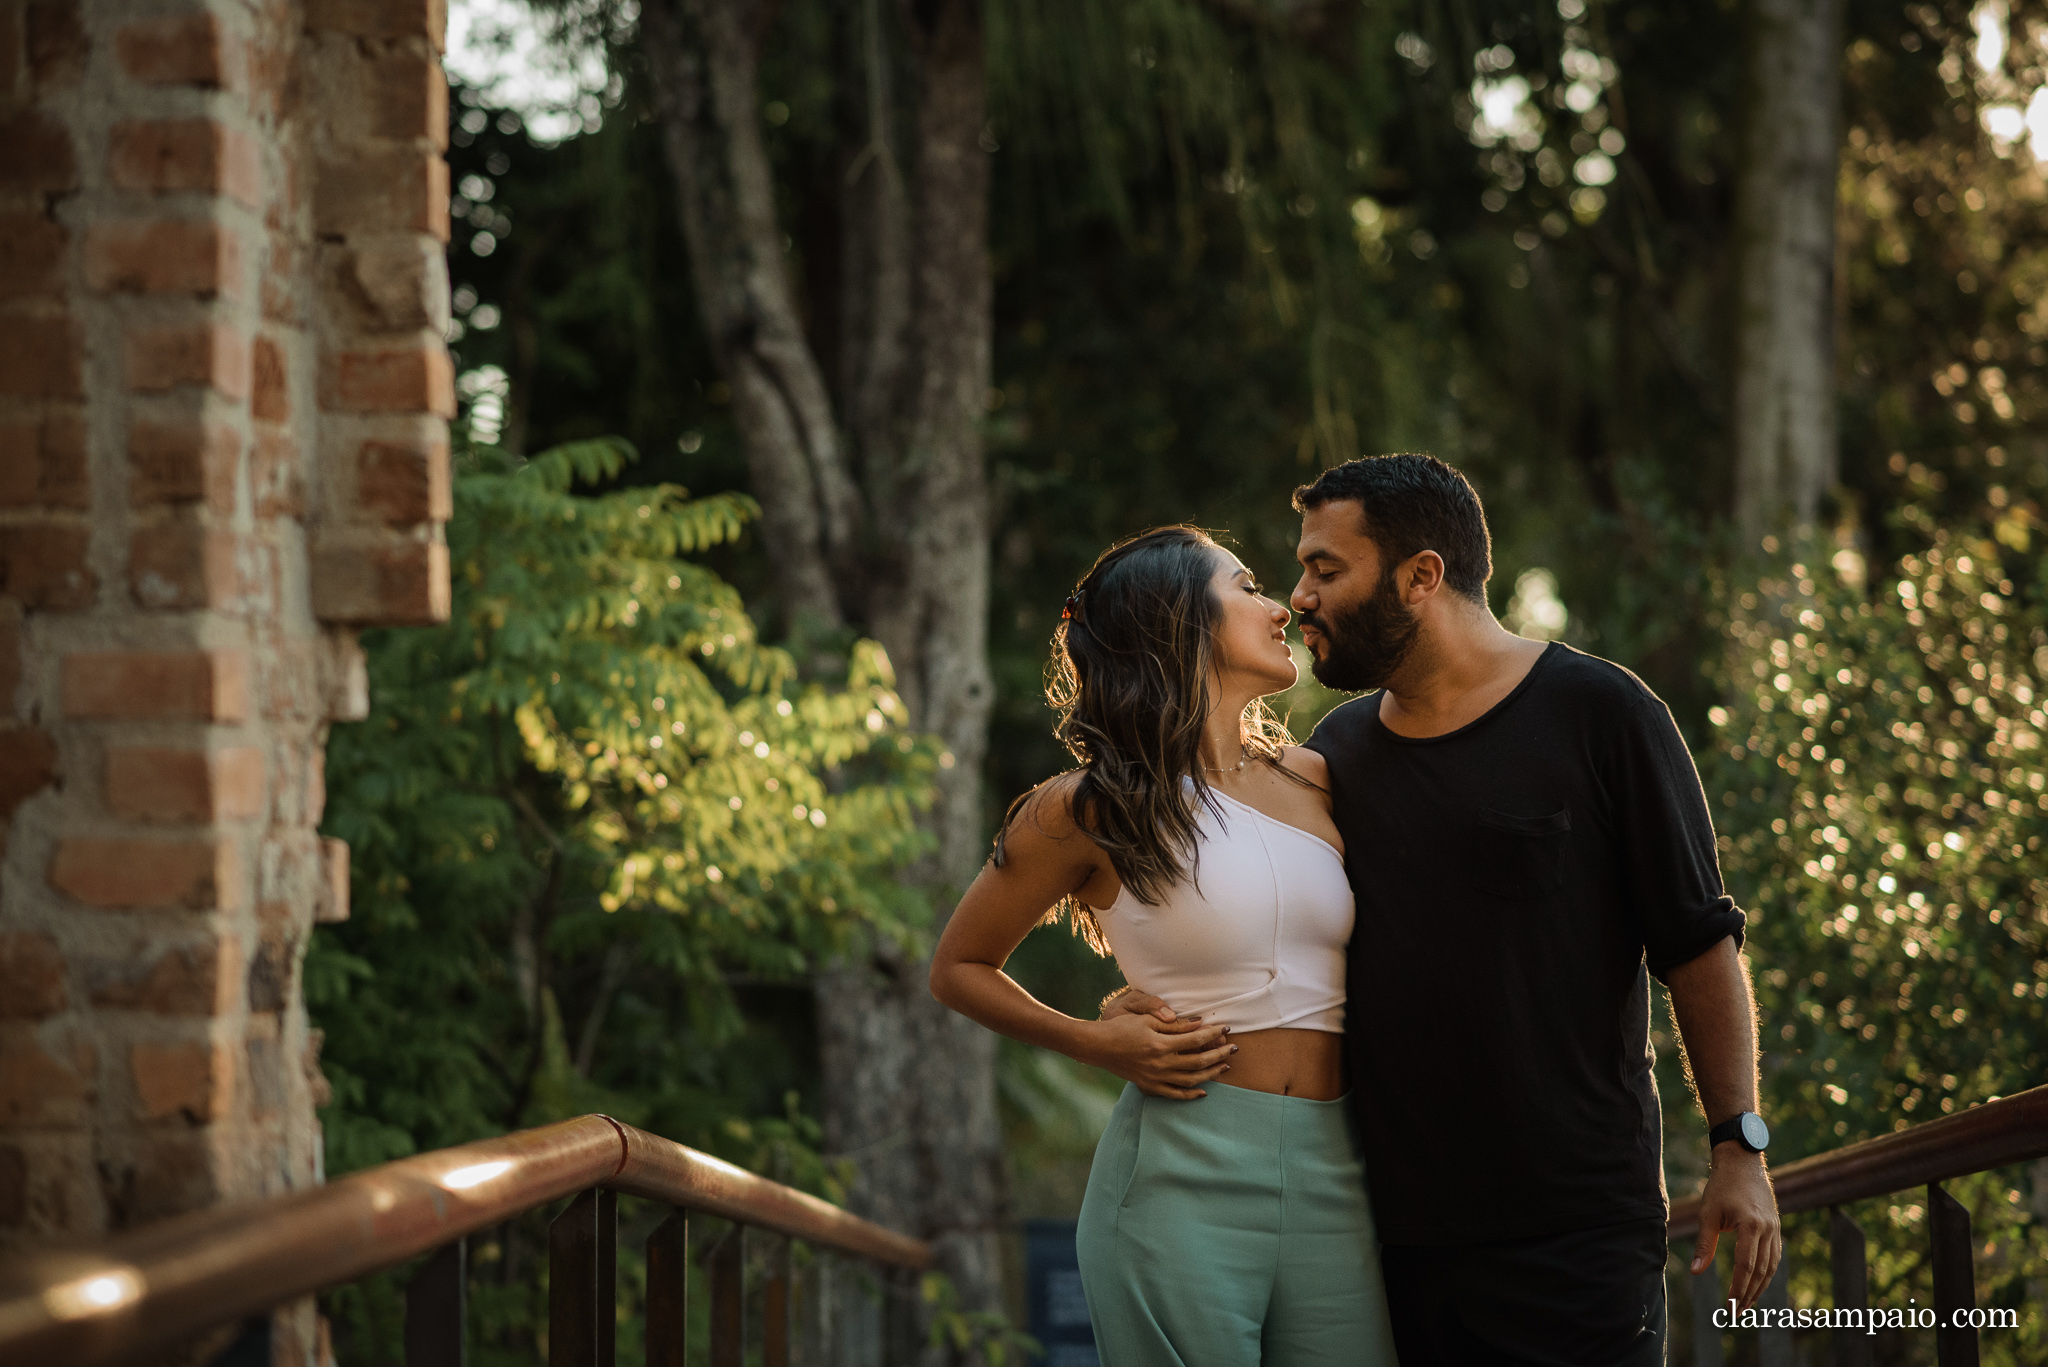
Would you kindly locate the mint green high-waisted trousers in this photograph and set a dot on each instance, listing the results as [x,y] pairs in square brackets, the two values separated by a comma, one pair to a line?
[1229,1231]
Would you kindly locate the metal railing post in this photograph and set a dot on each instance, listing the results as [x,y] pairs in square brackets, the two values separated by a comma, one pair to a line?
[775,1307]
[728,1268]
[1955,1278]
[899,1313]
[668,1302]
[582,1282]
[1848,1252]
[437,1310]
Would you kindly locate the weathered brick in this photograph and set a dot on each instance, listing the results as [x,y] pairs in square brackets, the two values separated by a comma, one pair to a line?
[41,357]
[194,685]
[271,72]
[172,784]
[38,154]
[274,476]
[183,458]
[42,461]
[180,564]
[381,18]
[266,1068]
[43,1086]
[28,764]
[202,353]
[386,584]
[31,975]
[31,257]
[237,783]
[332,908]
[56,43]
[164,256]
[270,972]
[405,482]
[270,394]
[203,979]
[43,565]
[187,50]
[193,1078]
[382,189]
[403,277]
[185,154]
[203,874]
[316,784]
[417,379]
[404,94]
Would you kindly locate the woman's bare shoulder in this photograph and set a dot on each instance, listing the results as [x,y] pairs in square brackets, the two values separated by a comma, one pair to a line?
[1047,811]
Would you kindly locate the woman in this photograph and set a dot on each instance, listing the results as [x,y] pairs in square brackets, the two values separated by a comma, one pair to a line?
[1226,1219]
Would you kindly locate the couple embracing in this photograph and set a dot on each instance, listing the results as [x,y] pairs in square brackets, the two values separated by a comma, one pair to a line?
[1387,1029]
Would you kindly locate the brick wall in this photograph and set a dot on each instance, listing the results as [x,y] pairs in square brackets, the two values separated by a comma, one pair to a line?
[223,447]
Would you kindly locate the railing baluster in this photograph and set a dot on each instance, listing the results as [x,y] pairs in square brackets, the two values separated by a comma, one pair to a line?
[1955,1278]
[1706,1299]
[806,1284]
[899,1314]
[1774,1345]
[437,1310]
[582,1282]
[668,1300]
[607,1278]
[728,1266]
[775,1307]
[1848,1252]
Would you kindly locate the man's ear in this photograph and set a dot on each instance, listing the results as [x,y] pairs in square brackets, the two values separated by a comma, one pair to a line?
[1420,576]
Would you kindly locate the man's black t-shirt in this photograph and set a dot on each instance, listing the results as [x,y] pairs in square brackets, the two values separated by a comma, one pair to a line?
[1513,878]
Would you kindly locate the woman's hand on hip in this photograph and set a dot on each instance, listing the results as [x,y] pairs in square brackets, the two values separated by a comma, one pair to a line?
[1167,1058]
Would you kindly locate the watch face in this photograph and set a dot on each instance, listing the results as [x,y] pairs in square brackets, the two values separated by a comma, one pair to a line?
[1754,1132]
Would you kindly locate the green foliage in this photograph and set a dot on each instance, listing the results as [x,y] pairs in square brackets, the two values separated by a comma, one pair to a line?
[976,1335]
[1883,788]
[599,834]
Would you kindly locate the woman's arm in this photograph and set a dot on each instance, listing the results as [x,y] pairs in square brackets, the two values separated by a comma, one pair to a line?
[1048,857]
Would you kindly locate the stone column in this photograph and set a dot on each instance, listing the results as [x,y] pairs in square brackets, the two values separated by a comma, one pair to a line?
[223,447]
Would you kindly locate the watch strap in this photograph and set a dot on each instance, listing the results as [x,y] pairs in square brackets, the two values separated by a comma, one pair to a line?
[1731,1128]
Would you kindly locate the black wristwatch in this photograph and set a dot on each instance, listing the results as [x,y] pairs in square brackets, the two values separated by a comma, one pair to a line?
[1746,1128]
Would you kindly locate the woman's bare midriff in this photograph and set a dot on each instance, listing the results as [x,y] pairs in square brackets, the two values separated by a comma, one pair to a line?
[1303,1063]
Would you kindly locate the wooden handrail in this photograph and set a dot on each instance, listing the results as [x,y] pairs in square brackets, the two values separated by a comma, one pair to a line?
[2012,1129]
[82,1304]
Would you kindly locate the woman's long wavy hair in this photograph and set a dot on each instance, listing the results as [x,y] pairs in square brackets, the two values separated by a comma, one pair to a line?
[1130,677]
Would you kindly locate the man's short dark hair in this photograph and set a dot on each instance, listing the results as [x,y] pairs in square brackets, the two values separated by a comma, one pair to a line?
[1413,503]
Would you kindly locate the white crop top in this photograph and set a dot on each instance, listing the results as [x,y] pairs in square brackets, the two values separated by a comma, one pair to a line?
[1256,940]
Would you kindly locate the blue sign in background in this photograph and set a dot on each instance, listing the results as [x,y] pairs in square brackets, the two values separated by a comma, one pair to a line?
[1056,1313]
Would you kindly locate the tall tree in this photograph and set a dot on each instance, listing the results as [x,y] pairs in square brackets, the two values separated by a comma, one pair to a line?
[1785,449]
[876,514]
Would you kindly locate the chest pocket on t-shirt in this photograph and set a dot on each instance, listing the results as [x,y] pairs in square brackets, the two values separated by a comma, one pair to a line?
[1521,856]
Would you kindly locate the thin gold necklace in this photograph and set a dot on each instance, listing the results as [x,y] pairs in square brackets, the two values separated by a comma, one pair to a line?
[1236,768]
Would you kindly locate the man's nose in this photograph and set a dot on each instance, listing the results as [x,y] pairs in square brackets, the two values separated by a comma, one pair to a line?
[1301,600]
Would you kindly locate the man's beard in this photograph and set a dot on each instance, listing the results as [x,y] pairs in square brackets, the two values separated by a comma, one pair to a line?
[1365,644]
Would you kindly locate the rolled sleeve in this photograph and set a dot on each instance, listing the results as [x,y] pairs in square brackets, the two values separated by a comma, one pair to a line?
[1671,873]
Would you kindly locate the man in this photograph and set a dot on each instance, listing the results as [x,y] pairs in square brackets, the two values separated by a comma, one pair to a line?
[1526,837]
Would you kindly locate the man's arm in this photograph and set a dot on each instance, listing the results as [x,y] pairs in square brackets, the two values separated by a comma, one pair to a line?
[1717,1026]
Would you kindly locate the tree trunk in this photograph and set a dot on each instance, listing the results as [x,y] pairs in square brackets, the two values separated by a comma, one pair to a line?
[1785,452]
[876,512]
